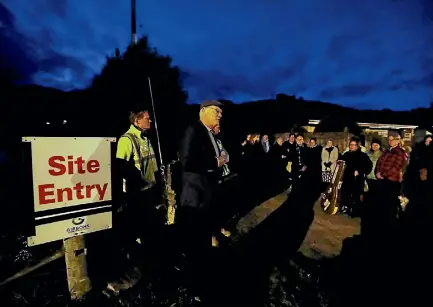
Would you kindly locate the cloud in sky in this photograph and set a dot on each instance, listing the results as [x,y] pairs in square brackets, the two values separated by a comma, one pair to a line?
[371,53]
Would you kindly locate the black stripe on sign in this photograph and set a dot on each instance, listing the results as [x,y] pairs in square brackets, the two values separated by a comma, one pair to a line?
[72,215]
[72,208]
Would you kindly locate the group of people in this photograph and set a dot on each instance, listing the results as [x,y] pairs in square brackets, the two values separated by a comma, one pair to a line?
[378,168]
[207,192]
[389,173]
[206,165]
[204,168]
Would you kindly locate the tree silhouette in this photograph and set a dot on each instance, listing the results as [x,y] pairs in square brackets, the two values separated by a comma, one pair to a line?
[284,97]
[125,75]
[122,85]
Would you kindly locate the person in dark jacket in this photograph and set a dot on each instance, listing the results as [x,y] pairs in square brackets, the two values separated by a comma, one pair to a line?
[202,163]
[300,159]
[290,144]
[279,158]
[315,160]
[253,168]
[425,158]
[358,166]
[418,182]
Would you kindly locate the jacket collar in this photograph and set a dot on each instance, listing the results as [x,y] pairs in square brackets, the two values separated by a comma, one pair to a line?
[135,131]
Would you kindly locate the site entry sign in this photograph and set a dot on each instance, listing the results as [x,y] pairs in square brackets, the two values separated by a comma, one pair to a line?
[72,186]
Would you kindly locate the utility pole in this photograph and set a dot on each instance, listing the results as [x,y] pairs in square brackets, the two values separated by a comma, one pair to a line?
[133,22]
[134,28]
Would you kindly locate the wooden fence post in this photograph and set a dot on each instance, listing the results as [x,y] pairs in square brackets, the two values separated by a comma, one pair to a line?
[76,267]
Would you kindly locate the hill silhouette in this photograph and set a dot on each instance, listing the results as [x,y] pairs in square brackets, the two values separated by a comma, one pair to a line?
[283,112]
[102,109]
[80,107]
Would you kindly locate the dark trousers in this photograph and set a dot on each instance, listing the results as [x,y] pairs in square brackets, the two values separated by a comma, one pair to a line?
[388,207]
[195,231]
[226,199]
[297,175]
[351,192]
[138,219]
[369,208]
[385,206]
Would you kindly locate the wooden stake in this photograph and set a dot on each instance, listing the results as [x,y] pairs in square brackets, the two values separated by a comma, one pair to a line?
[57,255]
[170,197]
[76,267]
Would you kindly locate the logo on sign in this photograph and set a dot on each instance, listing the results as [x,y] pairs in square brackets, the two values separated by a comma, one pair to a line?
[78,221]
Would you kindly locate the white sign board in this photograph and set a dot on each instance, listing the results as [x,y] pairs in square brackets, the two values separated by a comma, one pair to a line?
[70,228]
[70,171]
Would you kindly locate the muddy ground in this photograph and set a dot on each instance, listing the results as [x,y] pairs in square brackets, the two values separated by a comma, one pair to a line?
[327,232]
[273,260]
[325,235]
[295,279]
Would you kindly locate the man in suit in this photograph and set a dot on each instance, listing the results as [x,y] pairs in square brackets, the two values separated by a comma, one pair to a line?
[202,163]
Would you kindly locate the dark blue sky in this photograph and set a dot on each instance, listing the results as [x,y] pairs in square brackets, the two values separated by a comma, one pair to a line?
[366,54]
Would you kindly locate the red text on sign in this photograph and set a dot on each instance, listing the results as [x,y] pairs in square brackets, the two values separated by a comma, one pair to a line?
[61,165]
[48,194]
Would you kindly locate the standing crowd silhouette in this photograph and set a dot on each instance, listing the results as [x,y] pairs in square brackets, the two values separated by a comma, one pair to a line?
[386,187]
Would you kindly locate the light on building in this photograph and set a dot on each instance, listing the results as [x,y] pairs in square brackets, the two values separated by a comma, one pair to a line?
[47,123]
[64,121]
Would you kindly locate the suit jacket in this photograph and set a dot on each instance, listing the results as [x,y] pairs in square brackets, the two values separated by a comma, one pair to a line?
[315,158]
[200,171]
[301,158]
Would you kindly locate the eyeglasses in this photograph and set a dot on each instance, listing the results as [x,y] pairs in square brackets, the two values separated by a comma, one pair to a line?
[217,110]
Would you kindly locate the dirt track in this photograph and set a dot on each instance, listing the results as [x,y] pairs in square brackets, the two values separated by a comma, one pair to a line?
[327,232]
[325,235]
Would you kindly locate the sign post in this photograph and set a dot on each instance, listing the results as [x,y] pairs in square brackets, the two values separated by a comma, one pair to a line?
[72,196]
[76,267]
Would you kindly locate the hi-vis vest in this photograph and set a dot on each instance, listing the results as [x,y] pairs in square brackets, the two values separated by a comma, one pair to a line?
[143,156]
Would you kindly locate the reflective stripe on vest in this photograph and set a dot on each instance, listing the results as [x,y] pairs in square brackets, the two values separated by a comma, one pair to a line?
[136,152]
[139,159]
[136,155]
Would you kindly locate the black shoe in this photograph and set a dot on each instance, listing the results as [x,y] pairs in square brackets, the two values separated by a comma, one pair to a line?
[353,214]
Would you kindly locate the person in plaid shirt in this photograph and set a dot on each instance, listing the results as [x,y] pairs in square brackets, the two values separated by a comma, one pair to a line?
[391,164]
[389,172]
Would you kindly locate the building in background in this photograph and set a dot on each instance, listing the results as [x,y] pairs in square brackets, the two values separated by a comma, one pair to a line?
[407,131]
